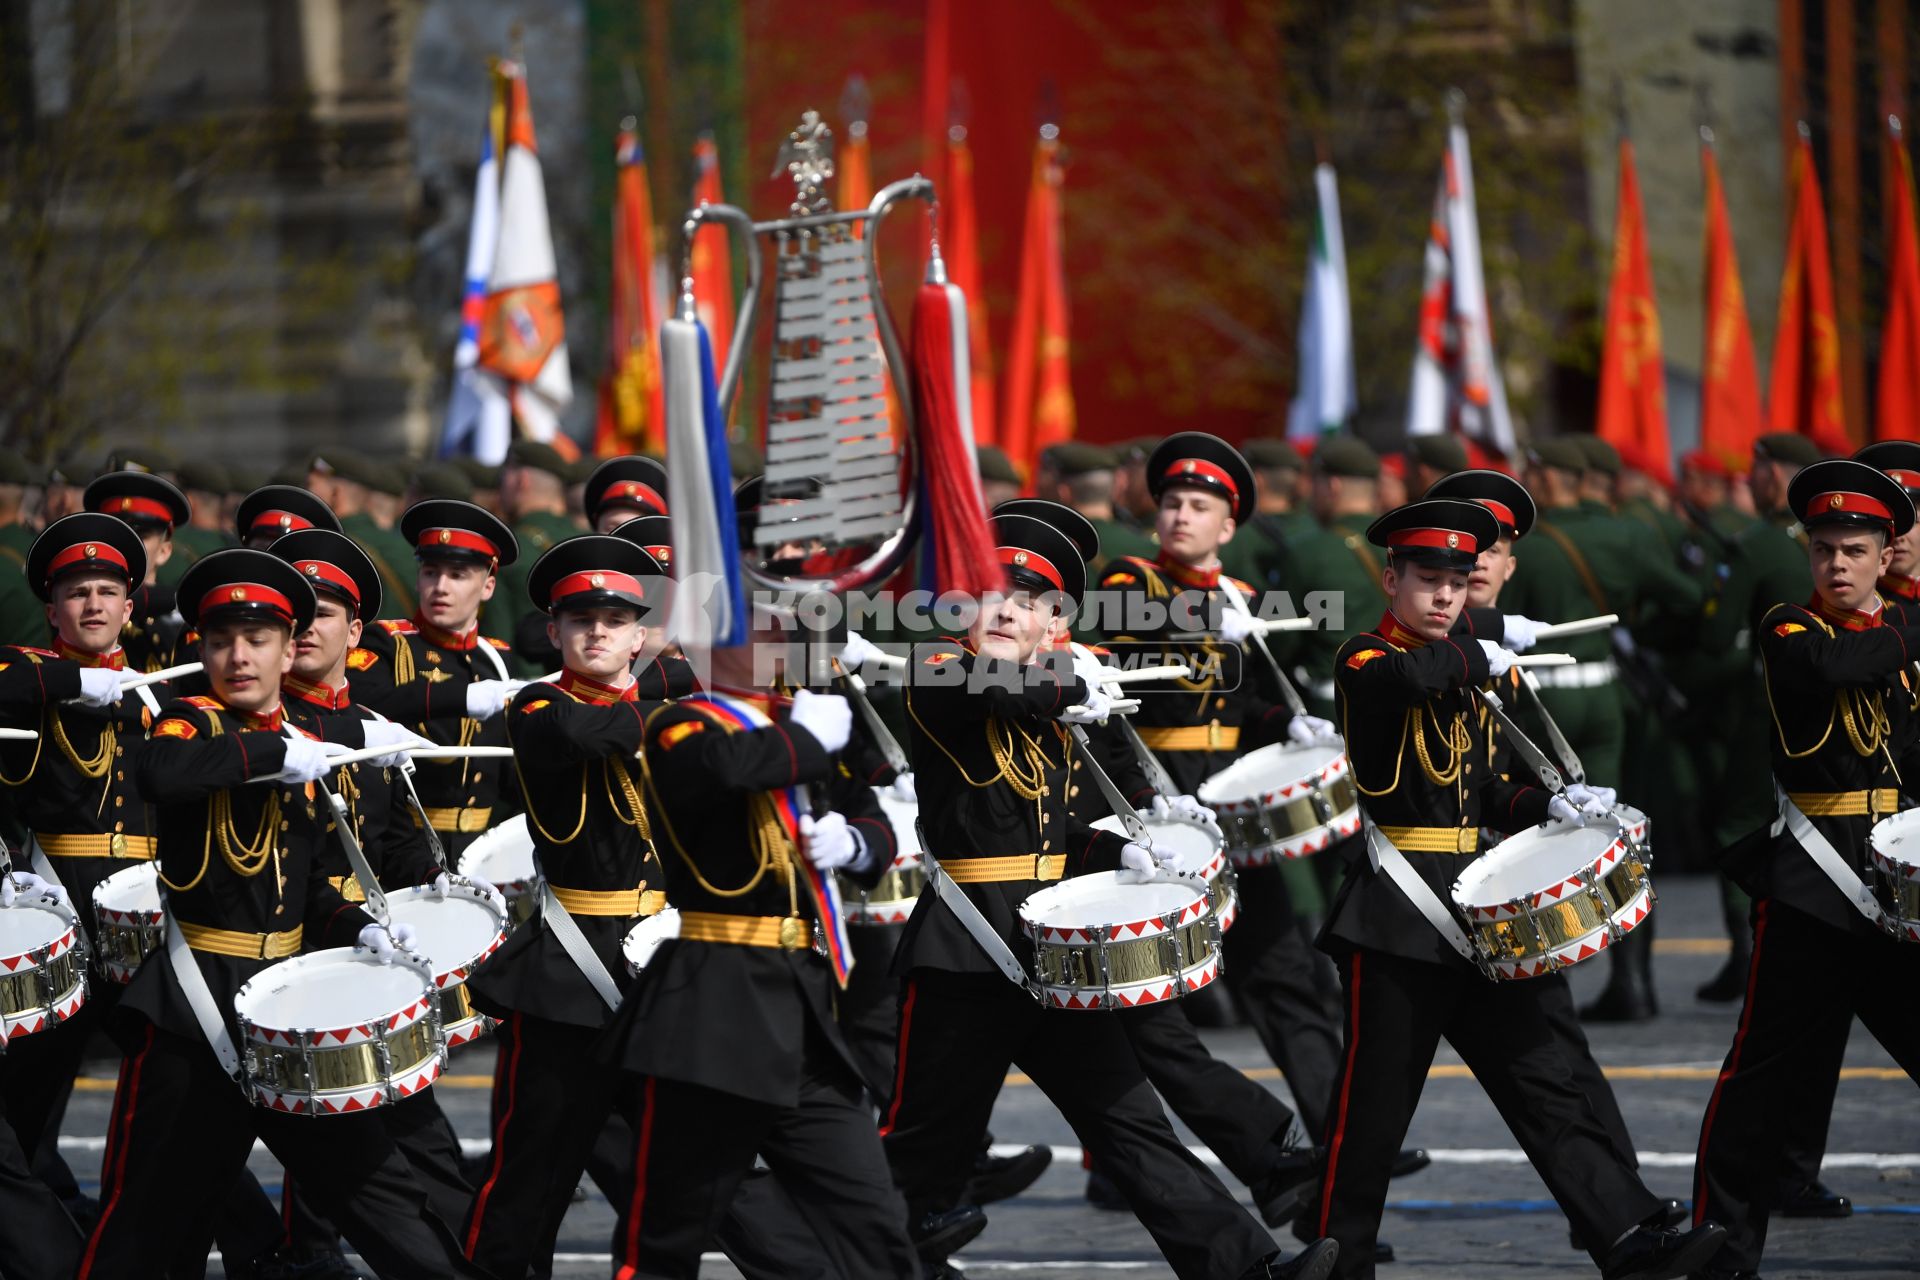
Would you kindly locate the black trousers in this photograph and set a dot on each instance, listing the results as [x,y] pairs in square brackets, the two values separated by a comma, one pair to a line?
[180,1131]
[1807,982]
[958,1035]
[1397,1012]
[695,1147]
[1288,989]
[420,1129]
[1240,1122]
[1556,1002]
[869,1009]
[38,1241]
[551,1100]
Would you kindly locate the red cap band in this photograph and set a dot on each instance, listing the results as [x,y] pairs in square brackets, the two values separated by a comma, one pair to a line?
[1033,561]
[1847,501]
[1200,469]
[633,489]
[284,521]
[331,574]
[87,553]
[597,580]
[456,540]
[1905,479]
[1501,512]
[244,593]
[663,554]
[132,505]
[1444,539]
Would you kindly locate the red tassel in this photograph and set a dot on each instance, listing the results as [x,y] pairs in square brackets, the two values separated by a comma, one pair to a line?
[956,524]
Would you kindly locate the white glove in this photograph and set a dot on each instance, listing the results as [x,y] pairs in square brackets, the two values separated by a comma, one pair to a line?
[488,698]
[1236,626]
[441,886]
[858,651]
[1184,807]
[310,759]
[1580,793]
[1307,730]
[25,882]
[824,715]
[1521,633]
[1560,809]
[385,733]
[1095,710]
[1092,672]
[903,788]
[1137,864]
[831,843]
[387,943]
[1499,661]
[100,686]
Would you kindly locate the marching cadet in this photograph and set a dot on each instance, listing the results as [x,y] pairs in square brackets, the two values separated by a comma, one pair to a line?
[437,673]
[557,980]
[1900,584]
[273,511]
[623,489]
[153,507]
[317,687]
[1198,725]
[1259,553]
[741,786]
[1839,692]
[1422,764]
[992,750]
[1335,559]
[238,866]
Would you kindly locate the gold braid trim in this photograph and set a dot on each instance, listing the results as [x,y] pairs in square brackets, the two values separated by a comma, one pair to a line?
[766,834]
[1454,737]
[1864,716]
[93,767]
[404,670]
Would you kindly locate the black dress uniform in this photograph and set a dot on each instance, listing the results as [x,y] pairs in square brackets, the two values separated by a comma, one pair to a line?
[1425,771]
[1840,688]
[273,511]
[730,1029]
[147,504]
[575,742]
[238,865]
[419,674]
[631,485]
[1198,726]
[992,770]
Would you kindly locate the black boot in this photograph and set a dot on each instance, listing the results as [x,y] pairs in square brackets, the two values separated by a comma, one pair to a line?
[1289,1187]
[1629,993]
[1315,1262]
[935,1235]
[999,1177]
[1653,1253]
[1814,1200]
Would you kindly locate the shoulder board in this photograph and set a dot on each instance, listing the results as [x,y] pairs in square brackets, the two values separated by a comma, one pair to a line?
[35,651]
[1788,628]
[526,708]
[396,626]
[935,659]
[1363,657]
[676,733]
[175,727]
[1096,648]
[501,645]
[359,659]
[203,702]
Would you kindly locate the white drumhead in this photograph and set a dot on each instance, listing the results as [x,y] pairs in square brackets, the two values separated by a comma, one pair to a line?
[1193,843]
[130,889]
[32,922]
[905,816]
[1529,862]
[502,854]
[326,989]
[1261,771]
[449,933]
[1086,901]
[645,938]
[1899,836]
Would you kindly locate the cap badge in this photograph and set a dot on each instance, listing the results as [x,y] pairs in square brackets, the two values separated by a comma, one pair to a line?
[446,536]
[313,569]
[237,595]
[286,522]
[598,580]
[1837,501]
[1453,541]
[92,552]
[1019,557]
[1189,466]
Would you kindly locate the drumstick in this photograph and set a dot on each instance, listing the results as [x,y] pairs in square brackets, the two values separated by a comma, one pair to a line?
[1544,660]
[145,678]
[1578,627]
[17,735]
[1133,675]
[438,752]
[1267,626]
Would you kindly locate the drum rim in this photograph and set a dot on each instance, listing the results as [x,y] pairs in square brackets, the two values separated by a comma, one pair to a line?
[1187,911]
[1331,771]
[1479,869]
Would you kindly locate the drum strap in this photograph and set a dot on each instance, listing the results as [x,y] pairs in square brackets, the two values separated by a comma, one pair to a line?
[1825,856]
[567,932]
[193,985]
[494,660]
[972,921]
[376,898]
[1390,860]
[42,864]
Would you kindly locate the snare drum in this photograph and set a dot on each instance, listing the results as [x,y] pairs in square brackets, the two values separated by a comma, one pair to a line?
[455,935]
[129,924]
[1639,830]
[1548,898]
[1283,801]
[892,899]
[1199,851]
[335,1031]
[43,965]
[645,938]
[1101,943]
[1894,846]
[503,857]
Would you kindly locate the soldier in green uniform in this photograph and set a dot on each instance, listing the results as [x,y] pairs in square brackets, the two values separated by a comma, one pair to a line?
[1081,475]
[347,481]
[205,483]
[1432,458]
[999,478]
[533,497]
[1133,501]
[1633,494]
[1259,553]
[22,621]
[485,481]
[1334,559]
[437,480]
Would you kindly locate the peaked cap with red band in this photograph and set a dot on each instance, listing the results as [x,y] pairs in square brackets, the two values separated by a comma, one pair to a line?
[633,482]
[1841,491]
[443,528]
[1078,528]
[1039,557]
[594,571]
[652,534]
[334,563]
[276,510]
[1198,460]
[86,542]
[1498,492]
[1900,459]
[1436,533]
[141,498]
[242,584]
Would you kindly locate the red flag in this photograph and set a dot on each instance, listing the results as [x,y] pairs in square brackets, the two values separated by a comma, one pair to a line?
[712,265]
[1730,415]
[1039,387]
[960,241]
[1805,391]
[1897,415]
[1633,392]
[632,413]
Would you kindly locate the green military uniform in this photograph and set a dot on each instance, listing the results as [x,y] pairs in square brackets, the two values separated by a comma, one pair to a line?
[1077,463]
[1335,559]
[1258,552]
[22,620]
[535,532]
[392,560]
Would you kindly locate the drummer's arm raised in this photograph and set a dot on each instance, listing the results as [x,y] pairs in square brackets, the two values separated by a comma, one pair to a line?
[1796,646]
[665,675]
[1370,670]
[692,751]
[547,727]
[29,682]
[186,758]
[954,685]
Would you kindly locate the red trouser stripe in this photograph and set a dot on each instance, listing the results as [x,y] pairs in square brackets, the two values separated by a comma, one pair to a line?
[1346,1094]
[507,1080]
[1733,1064]
[630,1267]
[119,1137]
[900,1056]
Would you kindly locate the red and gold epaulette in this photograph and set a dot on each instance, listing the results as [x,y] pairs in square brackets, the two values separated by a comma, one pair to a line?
[34,651]
[501,645]
[1365,656]
[204,702]
[397,627]
[360,659]
[1244,588]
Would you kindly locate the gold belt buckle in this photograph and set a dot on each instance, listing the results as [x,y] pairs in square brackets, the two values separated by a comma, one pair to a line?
[1213,735]
[790,933]
[117,846]
[1469,840]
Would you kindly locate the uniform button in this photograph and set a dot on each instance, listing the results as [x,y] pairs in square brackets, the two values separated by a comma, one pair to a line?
[1045,845]
[1464,822]
[1046,791]
[120,775]
[119,826]
[473,799]
[119,751]
[1219,703]
[1466,768]
[283,826]
[118,801]
[1072,791]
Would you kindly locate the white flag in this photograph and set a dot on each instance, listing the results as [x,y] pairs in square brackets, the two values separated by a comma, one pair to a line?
[1325,400]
